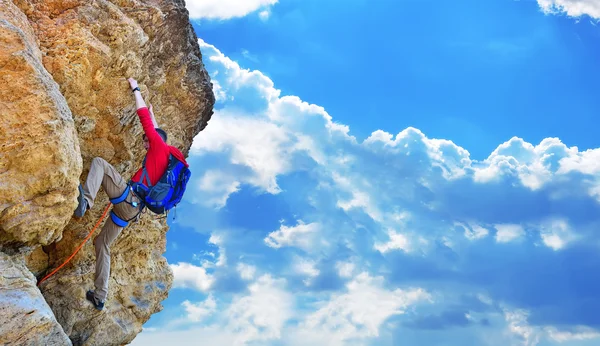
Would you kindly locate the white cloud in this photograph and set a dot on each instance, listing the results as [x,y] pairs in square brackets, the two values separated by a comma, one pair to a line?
[507,233]
[212,335]
[356,314]
[528,335]
[258,316]
[404,192]
[225,9]
[266,139]
[345,269]
[302,236]
[398,241]
[199,311]
[214,260]
[306,267]
[233,79]
[187,275]
[356,199]
[533,165]
[246,271]
[220,94]
[261,146]
[215,187]
[556,233]
[262,314]
[580,333]
[473,231]
[573,8]
[587,162]
[264,15]
[518,325]
[217,240]
[443,154]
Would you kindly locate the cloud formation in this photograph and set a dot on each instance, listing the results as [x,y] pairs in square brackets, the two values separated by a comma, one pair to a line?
[573,8]
[398,236]
[227,9]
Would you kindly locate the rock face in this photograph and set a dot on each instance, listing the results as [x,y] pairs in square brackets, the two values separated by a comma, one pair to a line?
[40,161]
[64,100]
[26,318]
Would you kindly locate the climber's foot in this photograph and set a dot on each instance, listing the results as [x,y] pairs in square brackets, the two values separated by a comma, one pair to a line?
[92,298]
[83,205]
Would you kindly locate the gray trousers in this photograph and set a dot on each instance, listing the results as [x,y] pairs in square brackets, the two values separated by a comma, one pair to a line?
[104,174]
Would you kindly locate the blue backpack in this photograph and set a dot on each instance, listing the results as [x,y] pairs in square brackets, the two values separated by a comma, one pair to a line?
[168,191]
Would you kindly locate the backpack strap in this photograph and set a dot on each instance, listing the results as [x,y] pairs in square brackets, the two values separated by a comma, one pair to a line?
[145,174]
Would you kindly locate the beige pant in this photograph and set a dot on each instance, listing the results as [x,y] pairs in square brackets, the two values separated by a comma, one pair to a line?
[103,174]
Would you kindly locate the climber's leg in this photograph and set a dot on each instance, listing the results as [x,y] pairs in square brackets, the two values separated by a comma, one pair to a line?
[102,243]
[102,174]
[110,231]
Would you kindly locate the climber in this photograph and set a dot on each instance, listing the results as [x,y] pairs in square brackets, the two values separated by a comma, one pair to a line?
[119,190]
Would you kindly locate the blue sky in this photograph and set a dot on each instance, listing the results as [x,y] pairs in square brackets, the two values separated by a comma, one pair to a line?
[391,173]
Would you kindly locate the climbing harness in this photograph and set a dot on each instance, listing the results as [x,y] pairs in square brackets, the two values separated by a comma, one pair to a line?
[123,198]
[116,219]
[80,245]
[166,194]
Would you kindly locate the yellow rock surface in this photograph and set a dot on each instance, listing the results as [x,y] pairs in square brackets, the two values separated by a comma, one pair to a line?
[40,161]
[64,100]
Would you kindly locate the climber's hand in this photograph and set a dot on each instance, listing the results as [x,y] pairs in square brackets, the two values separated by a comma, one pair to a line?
[132,83]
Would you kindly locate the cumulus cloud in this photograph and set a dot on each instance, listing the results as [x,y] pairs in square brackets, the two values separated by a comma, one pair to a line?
[397,242]
[256,144]
[307,268]
[187,275]
[573,8]
[556,234]
[259,315]
[227,9]
[530,335]
[262,314]
[517,325]
[247,271]
[374,217]
[357,313]
[578,334]
[508,233]
[473,231]
[197,312]
[215,187]
[211,259]
[345,269]
[303,236]
[264,15]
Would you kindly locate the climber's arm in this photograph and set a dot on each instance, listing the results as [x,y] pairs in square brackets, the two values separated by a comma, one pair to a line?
[146,117]
[152,116]
[139,100]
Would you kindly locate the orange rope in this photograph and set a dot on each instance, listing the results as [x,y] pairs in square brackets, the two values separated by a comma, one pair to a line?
[80,245]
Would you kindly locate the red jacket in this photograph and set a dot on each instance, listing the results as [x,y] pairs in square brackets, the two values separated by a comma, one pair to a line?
[157,157]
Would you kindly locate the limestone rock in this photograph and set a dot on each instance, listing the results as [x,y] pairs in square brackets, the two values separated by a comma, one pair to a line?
[40,161]
[37,261]
[26,317]
[70,60]
[140,279]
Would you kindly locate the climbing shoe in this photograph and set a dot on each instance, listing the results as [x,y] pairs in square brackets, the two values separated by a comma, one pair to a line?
[83,204]
[97,304]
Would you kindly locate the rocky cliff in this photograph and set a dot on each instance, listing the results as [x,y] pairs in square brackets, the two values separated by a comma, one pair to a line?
[64,100]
